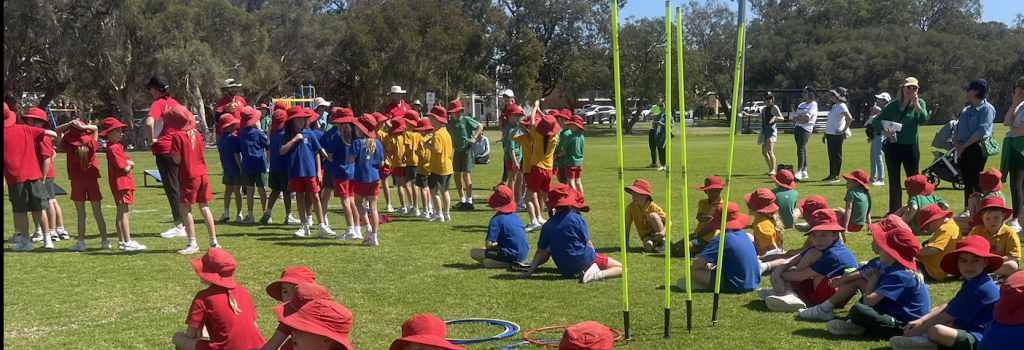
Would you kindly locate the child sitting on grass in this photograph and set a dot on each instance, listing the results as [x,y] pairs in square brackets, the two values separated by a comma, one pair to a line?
[424,332]
[945,235]
[858,202]
[224,308]
[740,268]
[1004,240]
[959,323]
[919,193]
[700,237]
[768,226]
[506,239]
[287,289]
[847,286]
[991,184]
[894,294]
[319,324]
[1007,316]
[786,197]
[648,217]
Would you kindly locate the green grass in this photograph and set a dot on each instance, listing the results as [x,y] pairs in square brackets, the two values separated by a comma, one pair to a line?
[109,299]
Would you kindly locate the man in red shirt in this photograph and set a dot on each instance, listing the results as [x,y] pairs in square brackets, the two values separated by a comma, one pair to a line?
[230,102]
[24,175]
[397,107]
[159,136]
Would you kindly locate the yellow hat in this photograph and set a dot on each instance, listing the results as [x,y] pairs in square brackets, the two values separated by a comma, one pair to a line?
[910,81]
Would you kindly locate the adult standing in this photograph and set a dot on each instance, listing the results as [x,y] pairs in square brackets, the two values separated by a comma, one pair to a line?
[464,131]
[876,140]
[904,116]
[806,116]
[230,102]
[769,133]
[265,118]
[1013,150]
[656,137]
[322,108]
[397,107]
[974,127]
[159,136]
[836,131]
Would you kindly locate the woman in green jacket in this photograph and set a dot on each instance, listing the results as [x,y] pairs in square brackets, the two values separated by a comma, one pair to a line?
[901,150]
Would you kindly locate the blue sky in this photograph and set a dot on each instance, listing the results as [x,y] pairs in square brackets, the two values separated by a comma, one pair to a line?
[992,10]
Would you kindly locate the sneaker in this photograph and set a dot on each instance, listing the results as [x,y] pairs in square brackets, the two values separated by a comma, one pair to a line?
[309,219]
[120,245]
[798,175]
[468,207]
[173,232]
[77,247]
[660,248]
[215,245]
[878,183]
[189,249]
[414,211]
[54,236]
[425,214]
[447,217]
[37,237]
[132,246]
[920,342]
[63,233]
[48,245]
[802,227]
[841,327]
[652,166]
[439,217]
[239,217]
[266,219]
[390,209]
[817,313]
[105,244]
[661,168]
[402,210]
[496,264]
[14,239]
[303,231]
[578,275]
[371,240]
[323,231]
[805,176]
[1014,225]
[785,303]
[964,214]
[830,179]
[521,207]
[764,293]
[532,226]
[348,234]
[518,267]
[23,247]
[592,274]
[291,220]
[224,218]
[541,221]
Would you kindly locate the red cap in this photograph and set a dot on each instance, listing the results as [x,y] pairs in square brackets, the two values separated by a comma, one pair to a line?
[785,179]
[1009,309]
[108,124]
[501,200]
[250,116]
[278,117]
[294,275]
[991,180]
[424,329]
[860,176]
[734,220]
[762,201]
[976,245]
[341,115]
[931,213]
[34,113]
[894,237]
[548,126]
[439,114]
[423,125]
[366,123]
[589,335]
[302,295]
[711,183]
[280,105]
[580,201]
[577,121]
[823,220]
[179,117]
[217,266]
[324,318]
[991,202]
[640,186]
[918,185]
[455,106]
[561,195]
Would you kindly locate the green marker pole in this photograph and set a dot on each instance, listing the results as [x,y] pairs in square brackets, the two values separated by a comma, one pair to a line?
[622,180]
[737,77]
[682,148]
[668,167]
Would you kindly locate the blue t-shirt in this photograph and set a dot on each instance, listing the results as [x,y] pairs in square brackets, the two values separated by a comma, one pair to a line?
[905,296]
[341,169]
[253,141]
[278,163]
[227,146]
[972,306]
[1000,336]
[366,165]
[834,260]
[507,230]
[565,234]
[325,139]
[301,161]
[875,263]
[740,267]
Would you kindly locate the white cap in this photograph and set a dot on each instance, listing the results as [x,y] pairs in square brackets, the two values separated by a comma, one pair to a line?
[885,96]
[230,82]
[320,102]
[508,92]
[396,90]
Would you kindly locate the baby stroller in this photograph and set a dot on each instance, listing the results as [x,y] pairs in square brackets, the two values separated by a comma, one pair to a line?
[945,167]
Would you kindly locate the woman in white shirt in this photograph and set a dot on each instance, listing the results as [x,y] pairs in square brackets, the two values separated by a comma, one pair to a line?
[839,119]
[806,116]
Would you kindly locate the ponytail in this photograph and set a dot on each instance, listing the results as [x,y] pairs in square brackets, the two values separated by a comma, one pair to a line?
[346,134]
[780,228]
[233,303]
[192,137]
[83,156]
[371,146]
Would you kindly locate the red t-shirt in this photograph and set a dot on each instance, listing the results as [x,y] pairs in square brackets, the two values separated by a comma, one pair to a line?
[20,161]
[116,161]
[193,164]
[224,101]
[75,169]
[44,149]
[228,331]
[164,132]
[397,109]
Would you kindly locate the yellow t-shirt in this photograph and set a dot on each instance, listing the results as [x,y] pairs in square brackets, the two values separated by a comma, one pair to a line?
[423,156]
[441,156]
[541,158]
[944,239]
[396,146]
[412,139]
[385,141]
[707,208]
[1004,243]
[526,142]
[638,216]
[765,235]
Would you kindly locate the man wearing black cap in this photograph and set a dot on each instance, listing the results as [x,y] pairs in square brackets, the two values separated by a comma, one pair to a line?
[161,146]
[973,129]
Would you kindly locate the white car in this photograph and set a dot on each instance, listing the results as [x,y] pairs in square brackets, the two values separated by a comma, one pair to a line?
[584,110]
[600,115]
[753,107]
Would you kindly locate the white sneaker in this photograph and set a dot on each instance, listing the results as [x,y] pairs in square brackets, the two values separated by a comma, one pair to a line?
[592,274]
[132,246]
[224,217]
[48,245]
[1013,225]
[77,247]
[805,174]
[764,293]
[23,247]
[920,342]
[63,233]
[785,303]
[189,249]
[425,214]
[371,240]
[248,219]
[799,175]
[323,231]
[390,209]
[105,244]
[120,245]
[448,217]
[541,221]
[239,217]
[37,237]
[303,231]
[841,327]
[415,212]
[348,234]
[964,214]
[291,220]
[817,312]
[54,236]
[878,183]
[173,232]
[532,226]
[401,210]
[520,207]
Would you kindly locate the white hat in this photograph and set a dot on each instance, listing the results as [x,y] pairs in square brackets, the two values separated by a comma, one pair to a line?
[508,92]
[230,82]
[396,90]
[885,96]
[320,102]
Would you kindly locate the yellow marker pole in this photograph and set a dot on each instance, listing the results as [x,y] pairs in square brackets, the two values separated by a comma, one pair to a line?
[622,180]
[668,166]
[682,148]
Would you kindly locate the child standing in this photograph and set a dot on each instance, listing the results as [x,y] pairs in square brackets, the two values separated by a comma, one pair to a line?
[394,152]
[769,231]
[740,265]
[945,235]
[224,308]
[1004,240]
[384,136]
[425,131]
[506,239]
[84,172]
[786,197]
[648,217]
[858,202]
[45,153]
[513,155]
[959,323]
[545,137]
[571,152]
[1007,319]
[253,143]
[368,155]
[187,152]
[231,165]
[338,145]
[426,332]
[703,234]
[295,288]
[441,167]
[24,177]
[278,177]
[301,152]
[919,193]
[464,131]
[122,186]
[411,158]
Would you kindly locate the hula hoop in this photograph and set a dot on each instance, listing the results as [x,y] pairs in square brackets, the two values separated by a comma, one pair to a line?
[528,342]
[510,329]
[541,342]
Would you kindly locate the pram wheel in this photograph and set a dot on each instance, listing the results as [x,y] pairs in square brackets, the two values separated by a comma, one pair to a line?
[958,182]
[934,179]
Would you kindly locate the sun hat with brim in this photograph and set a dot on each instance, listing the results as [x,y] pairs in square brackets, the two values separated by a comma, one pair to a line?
[640,186]
[277,119]
[424,329]
[230,83]
[839,92]
[918,185]
[990,180]
[991,202]
[910,81]
[311,115]
[217,266]
[823,220]
[455,106]
[378,118]
[321,102]
[860,176]
[577,121]
[225,120]
[78,137]
[548,126]
[1009,309]
[324,318]
[560,196]
[784,178]
[108,124]
[501,200]
[424,125]
[301,295]
[812,204]
[34,113]
[931,213]
[398,127]
[711,183]
[734,219]
[366,123]
[250,117]
[396,90]
[179,117]
[280,105]
[439,114]
[588,335]
[264,106]
[895,237]
[976,245]
[580,201]
[341,115]
[296,112]
[294,275]
[514,110]
[761,200]
[411,117]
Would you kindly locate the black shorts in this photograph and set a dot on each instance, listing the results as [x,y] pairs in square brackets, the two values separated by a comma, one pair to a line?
[28,196]
[494,254]
[964,341]
[440,183]
[48,187]
[278,181]
[328,179]
[421,180]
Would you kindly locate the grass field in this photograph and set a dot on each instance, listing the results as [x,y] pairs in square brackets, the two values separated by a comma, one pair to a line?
[59,299]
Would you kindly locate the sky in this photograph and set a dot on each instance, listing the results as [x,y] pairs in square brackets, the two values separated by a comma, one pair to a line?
[992,10]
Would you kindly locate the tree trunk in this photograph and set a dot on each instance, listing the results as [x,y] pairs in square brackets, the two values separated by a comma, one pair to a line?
[197,100]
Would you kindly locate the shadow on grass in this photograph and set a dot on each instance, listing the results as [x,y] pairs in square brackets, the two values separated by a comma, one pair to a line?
[758,305]
[607,250]
[822,333]
[318,243]
[465,266]
[676,289]
[469,228]
[554,276]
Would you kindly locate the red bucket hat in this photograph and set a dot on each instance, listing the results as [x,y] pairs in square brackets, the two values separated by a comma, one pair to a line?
[296,112]
[179,117]
[225,120]
[762,201]
[931,213]
[580,202]
[1009,309]
[34,113]
[823,220]
[280,105]
[424,329]
[341,115]
[711,183]
[976,245]
[294,275]
[9,117]
[640,186]
[250,116]
[424,125]
[894,237]
[108,124]
[812,204]
[577,121]
[734,220]
[589,335]
[513,110]
[439,114]
[366,123]
[411,116]
[565,112]
[548,126]
[501,200]
[560,196]
[991,180]
[784,178]
[78,137]
[398,126]
[918,185]
[324,318]
[277,119]
[378,118]
[311,115]
[860,176]
[217,266]
[991,202]
[455,106]
[303,294]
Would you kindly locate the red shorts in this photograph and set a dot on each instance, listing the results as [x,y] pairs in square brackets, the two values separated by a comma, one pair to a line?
[124,197]
[86,190]
[384,171]
[510,165]
[344,188]
[306,184]
[817,296]
[573,172]
[367,189]
[196,190]
[601,261]
[539,180]
[854,227]
[398,172]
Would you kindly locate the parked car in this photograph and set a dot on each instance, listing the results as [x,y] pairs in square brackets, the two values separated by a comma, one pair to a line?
[582,111]
[753,107]
[645,112]
[600,115]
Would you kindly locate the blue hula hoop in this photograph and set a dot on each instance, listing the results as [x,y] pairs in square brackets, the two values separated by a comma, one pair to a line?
[510,329]
[528,342]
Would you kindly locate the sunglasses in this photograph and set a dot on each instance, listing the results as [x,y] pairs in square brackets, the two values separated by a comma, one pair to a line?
[911,87]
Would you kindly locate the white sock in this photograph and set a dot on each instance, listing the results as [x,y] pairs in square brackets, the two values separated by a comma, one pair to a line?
[764,267]
[60,228]
[827,305]
[213,242]
[462,199]
[358,229]
[192,242]
[469,199]
[600,275]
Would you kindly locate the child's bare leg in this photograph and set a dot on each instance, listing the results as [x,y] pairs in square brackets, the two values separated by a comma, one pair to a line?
[51,216]
[228,191]
[1009,267]
[288,202]
[238,198]
[97,213]
[847,291]
[942,335]
[477,254]
[44,224]
[21,222]
[319,208]
[701,275]
[387,191]
[446,200]
[902,211]
[974,203]
[300,199]
[435,199]
[325,199]
[374,215]
[80,208]
[614,269]
[204,210]
[541,198]
[400,181]
[263,197]
[188,221]
[425,197]
[360,209]
[58,219]
[350,211]
[183,342]
[250,193]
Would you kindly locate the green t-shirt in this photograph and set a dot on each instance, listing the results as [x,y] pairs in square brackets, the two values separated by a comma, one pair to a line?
[562,134]
[508,144]
[910,117]
[920,201]
[786,199]
[994,194]
[859,197]
[462,131]
[573,144]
